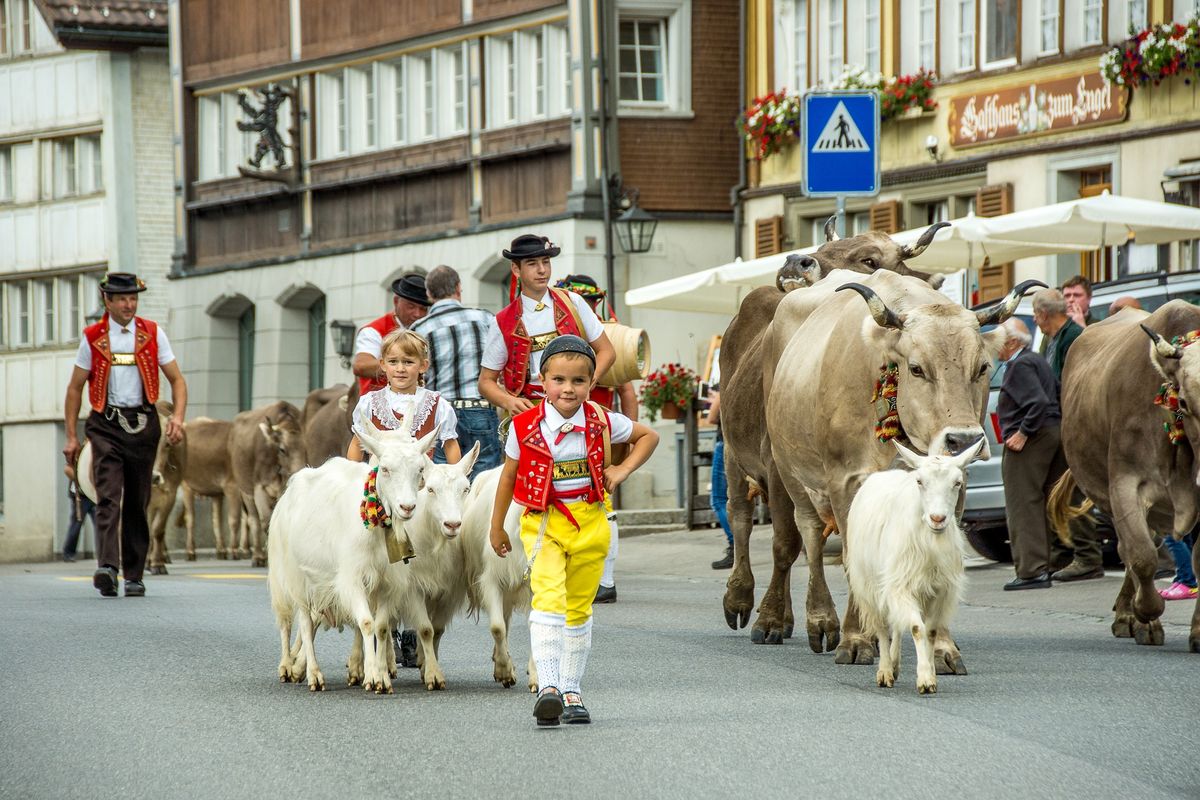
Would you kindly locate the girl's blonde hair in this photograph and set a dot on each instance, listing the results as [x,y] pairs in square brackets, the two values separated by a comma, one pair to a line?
[408,343]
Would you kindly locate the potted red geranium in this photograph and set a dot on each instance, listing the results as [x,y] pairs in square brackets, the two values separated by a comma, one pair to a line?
[668,390]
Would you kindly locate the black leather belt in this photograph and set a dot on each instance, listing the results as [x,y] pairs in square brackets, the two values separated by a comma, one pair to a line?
[470,404]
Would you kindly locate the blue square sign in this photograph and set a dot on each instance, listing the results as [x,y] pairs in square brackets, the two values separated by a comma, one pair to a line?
[840,132]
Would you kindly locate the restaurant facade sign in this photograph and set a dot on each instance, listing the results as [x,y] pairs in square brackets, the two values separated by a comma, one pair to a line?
[1035,108]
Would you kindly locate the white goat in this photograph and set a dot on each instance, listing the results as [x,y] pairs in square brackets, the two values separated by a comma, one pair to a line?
[903,557]
[429,590]
[323,562]
[496,585]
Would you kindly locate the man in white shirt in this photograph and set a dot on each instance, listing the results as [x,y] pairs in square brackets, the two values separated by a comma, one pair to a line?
[120,358]
[512,353]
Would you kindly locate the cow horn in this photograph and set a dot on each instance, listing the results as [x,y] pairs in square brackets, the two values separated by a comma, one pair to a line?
[994,315]
[884,316]
[1164,348]
[926,238]
[831,229]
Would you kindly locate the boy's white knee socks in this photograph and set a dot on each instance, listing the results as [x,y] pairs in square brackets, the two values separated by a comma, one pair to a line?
[546,644]
[610,561]
[577,642]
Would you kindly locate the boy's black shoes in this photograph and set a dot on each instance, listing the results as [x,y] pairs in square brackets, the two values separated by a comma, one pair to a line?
[548,708]
[105,581]
[606,594]
[405,643]
[135,589]
[574,712]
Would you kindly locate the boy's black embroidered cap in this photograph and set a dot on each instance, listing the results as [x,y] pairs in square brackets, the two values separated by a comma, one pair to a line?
[568,344]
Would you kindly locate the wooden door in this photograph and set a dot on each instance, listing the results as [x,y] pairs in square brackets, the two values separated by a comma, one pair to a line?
[1097,265]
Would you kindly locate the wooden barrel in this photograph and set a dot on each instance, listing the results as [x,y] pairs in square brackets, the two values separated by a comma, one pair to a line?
[633,354]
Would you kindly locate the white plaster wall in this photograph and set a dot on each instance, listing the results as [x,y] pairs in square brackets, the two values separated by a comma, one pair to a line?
[153,169]
[30,531]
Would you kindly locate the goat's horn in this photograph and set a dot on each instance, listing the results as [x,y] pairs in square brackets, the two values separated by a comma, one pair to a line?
[1162,346]
[884,316]
[831,229]
[923,242]
[994,315]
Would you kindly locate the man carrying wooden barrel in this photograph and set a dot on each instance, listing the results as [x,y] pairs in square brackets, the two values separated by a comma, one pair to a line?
[512,353]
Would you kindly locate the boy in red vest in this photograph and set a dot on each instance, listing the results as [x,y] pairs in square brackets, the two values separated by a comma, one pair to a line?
[556,466]
[517,339]
[119,358]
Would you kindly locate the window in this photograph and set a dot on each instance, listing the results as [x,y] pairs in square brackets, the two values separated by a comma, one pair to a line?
[509,61]
[927,30]
[65,184]
[1,473]
[18,312]
[370,107]
[399,102]
[3,28]
[458,77]
[565,80]
[873,36]
[69,309]
[6,174]
[47,324]
[25,41]
[1000,31]
[338,90]
[1093,31]
[539,73]
[1048,27]
[316,344]
[834,31]
[211,142]
[428,95]
[642,50]
[966,34]
[246,360]
[1135,11]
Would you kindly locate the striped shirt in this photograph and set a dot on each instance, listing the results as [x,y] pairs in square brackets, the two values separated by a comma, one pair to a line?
[455,335]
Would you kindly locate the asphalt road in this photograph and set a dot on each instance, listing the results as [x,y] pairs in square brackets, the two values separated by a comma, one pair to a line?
[175,695]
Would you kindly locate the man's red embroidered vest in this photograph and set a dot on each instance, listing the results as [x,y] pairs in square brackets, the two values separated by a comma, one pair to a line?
[384,325]
[520,346]
[145,356]
[534,475]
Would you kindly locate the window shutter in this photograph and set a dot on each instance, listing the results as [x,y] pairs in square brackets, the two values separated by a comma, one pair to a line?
[768,236]
[995,280]
[885,217]
[992,201]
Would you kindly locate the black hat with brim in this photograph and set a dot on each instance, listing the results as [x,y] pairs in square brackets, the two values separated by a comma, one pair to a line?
[411,287]
[122,283]
[582,285]
[568,344]
[528,245]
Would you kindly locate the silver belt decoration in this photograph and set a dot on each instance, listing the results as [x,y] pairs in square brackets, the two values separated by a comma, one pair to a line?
[142,419]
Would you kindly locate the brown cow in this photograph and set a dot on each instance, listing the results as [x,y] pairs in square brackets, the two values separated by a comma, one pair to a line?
[326,422]
[168,470]
[207,474]
[266,447]
[743,417]
[1119,454]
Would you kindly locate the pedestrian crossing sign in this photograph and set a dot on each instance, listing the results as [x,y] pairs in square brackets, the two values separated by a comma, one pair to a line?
[840,131]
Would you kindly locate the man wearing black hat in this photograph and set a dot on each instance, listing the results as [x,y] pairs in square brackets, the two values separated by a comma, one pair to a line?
[119,358]
[409,304]
[509,377]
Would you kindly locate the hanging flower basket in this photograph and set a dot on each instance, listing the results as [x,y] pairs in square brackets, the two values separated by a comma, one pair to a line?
[668,391]
[1153,54]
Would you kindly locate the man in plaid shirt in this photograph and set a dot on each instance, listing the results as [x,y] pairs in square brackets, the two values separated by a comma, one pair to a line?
[456,335]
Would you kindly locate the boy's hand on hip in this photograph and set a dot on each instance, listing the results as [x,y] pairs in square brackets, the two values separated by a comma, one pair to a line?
[500,542]
[614,477]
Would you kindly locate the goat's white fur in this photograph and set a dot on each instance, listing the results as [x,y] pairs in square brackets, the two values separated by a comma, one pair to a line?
[496,585]
[323,563]
[903,557]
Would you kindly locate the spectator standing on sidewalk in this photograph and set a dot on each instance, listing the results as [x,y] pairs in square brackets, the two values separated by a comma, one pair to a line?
[1033,460]
[1050,314]
[456,335]
[1184,585]
[719,496]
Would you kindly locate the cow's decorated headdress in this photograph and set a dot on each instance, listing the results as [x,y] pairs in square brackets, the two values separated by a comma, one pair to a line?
[1168,393]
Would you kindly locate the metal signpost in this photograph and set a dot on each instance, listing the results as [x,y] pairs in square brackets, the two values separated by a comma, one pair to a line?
[840,132]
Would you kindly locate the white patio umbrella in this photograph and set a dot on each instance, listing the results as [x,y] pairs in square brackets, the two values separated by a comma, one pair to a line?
[1105,220]
[969,242]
